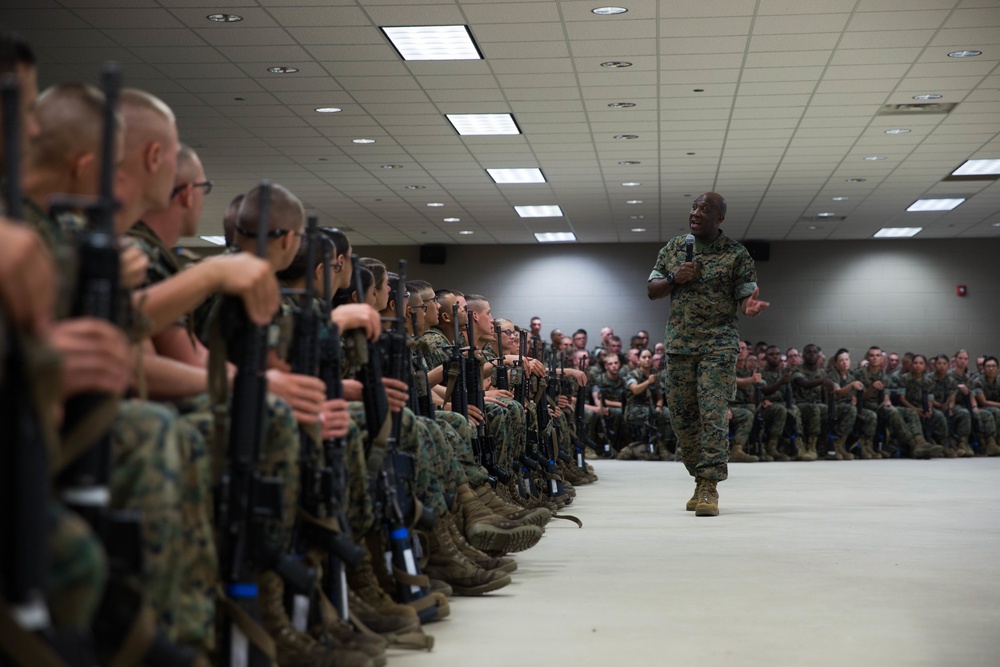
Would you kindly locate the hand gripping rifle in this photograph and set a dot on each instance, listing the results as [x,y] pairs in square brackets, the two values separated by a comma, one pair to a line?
[974,433]
[247,502]
[474,389]
[554,488]
[323,524]
[527,465]
[503,381]
[420,398]
[399,509]
[84,482]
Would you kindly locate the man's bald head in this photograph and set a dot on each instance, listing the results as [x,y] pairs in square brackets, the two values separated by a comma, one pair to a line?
[70,118]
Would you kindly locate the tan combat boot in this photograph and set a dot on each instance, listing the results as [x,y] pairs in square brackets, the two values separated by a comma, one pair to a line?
[502,563]
[490,532]
[839,446]
[922,449]
[807,449]
[538,516]
[772,450]
[447,563]
[867,452]
[708,499]
[738,455]
[991,446]
[693,502]
[964,450]
[950,450]
[294,648]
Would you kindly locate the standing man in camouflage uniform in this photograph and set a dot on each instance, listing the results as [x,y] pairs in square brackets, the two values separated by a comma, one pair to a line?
[701,340]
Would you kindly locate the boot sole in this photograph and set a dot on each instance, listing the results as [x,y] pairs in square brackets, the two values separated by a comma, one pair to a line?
[492,540]
[473,591]
[706,510]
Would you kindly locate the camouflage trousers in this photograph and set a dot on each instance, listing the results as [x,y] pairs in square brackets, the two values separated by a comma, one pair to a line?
[741,424]
[699,388]
[961,421]
[507,423]
[474,473]
[814,418]
[147,477]
[413,440]
[78,570]
[991,420]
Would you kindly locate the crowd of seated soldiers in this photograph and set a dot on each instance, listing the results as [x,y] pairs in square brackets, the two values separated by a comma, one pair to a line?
[792,405]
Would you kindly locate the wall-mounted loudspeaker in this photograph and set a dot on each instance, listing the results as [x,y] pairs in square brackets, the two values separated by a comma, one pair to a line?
[433,253]
[760,251]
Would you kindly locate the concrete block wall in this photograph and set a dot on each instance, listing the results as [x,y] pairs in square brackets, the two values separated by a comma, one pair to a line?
[899,294]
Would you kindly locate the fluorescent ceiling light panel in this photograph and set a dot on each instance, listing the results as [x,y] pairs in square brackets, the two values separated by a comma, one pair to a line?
[548,211]
[217,240]
[433,42]
[978,168]
[935,204]
[532,175]
[555,237]
[897,232]
[483,123]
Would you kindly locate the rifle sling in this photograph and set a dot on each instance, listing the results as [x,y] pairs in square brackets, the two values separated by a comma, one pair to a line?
[254,632]
[86,432]
[377,448]
[453,370]
[218,391]
[24,648]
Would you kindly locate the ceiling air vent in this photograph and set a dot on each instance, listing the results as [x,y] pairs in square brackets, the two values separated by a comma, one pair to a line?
[912,109]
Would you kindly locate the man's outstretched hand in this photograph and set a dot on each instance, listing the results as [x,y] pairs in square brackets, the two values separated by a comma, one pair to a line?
[752,305]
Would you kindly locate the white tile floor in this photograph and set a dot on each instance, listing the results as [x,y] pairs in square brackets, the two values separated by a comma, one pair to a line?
[855,563]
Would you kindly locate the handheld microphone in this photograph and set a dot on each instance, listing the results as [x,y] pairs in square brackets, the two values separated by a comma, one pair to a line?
[689,247]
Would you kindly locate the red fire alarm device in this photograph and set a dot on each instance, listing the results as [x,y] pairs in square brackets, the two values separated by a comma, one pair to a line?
[961,290]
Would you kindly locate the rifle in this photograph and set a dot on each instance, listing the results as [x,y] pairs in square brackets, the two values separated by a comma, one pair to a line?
[925,407]
[974,433]
[881,427]
[757,430]
[526,486]
[831,423]
[421,399]
[581,437]
[322,484]
[547,464]
[521,391]
[398,506]
[609,434]
[474,389]
[246,500]
[791,428]
[855,436]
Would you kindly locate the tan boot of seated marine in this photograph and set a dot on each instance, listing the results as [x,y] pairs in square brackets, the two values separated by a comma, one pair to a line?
[294,648]
[448,563]
[867,452]
[772,450]
[538,516]
[922,449]
[738,455]
[491,533]
[991,446]
[502,563]
[708,499]
[374,606]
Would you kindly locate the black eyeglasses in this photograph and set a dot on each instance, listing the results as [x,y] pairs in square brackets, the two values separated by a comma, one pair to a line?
[511,333]
[423,308]
[204,184]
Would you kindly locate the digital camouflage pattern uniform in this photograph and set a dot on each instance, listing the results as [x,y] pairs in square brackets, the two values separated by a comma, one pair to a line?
[985,426]
[701,341]
[742,406]
[915,389]
[811,402]
[990,391]
[958,419]
[873,409]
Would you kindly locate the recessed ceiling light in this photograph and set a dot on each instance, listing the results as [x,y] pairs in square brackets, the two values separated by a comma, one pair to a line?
[622,105]
[452,220]
[466,232]
[855,180]
[638,229]
[625,137]
[631,184]
[362,141]
[217,240]
[969,53]
[414,187]
[433,42]
[995,224]
[872,158]
[935,204]
[839,198]
[483,123]
[928,96]
[392,166]
[978,168]
[629,163]
[224,18]
[555,237]
[637,217]
[898,130]
[435,204]
[634,201]
[826,214]
[546,211]
[328,109]
[529,175]
[813,227]
[282,70]
[608,11]
[897,232]
[616,64]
